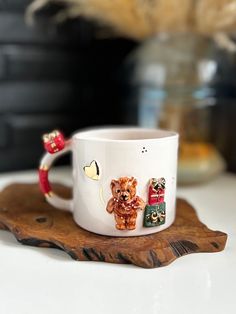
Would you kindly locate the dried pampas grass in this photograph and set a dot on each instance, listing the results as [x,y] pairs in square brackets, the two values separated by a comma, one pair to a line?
[140,19]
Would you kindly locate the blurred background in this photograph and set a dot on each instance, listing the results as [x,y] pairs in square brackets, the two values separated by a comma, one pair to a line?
[72,72]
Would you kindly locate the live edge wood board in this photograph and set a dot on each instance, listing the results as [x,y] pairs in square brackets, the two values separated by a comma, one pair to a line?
[25,213]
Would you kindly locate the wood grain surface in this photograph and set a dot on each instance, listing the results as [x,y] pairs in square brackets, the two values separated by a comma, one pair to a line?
[25,213]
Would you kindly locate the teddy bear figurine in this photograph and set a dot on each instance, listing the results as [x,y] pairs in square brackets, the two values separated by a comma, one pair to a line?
[125,203]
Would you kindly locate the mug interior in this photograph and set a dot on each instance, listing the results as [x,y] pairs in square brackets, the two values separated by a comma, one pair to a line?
[124,134]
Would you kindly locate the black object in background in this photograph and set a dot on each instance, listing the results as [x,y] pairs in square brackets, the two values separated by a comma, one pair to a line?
[52,77]
[223,127]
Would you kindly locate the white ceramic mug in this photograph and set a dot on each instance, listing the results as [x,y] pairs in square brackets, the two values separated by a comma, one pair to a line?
[124,180]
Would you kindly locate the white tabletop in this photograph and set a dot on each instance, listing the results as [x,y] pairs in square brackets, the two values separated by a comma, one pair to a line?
[47,281]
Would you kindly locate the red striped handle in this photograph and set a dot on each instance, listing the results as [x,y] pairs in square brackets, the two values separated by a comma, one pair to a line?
[44,183]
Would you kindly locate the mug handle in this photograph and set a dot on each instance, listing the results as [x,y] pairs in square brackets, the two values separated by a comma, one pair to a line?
[45,186]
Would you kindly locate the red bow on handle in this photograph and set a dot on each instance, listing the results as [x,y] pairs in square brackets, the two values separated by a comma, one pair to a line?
[54,141]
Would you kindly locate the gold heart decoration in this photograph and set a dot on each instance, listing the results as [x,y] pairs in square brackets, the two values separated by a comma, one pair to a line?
[92,171]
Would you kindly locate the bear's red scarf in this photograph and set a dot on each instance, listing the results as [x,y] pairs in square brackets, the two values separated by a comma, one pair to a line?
[126,207]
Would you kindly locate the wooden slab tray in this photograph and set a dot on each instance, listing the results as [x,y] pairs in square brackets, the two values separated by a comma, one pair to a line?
[25,213]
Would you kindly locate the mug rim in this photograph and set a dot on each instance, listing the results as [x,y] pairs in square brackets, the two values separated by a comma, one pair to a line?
[96,134]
